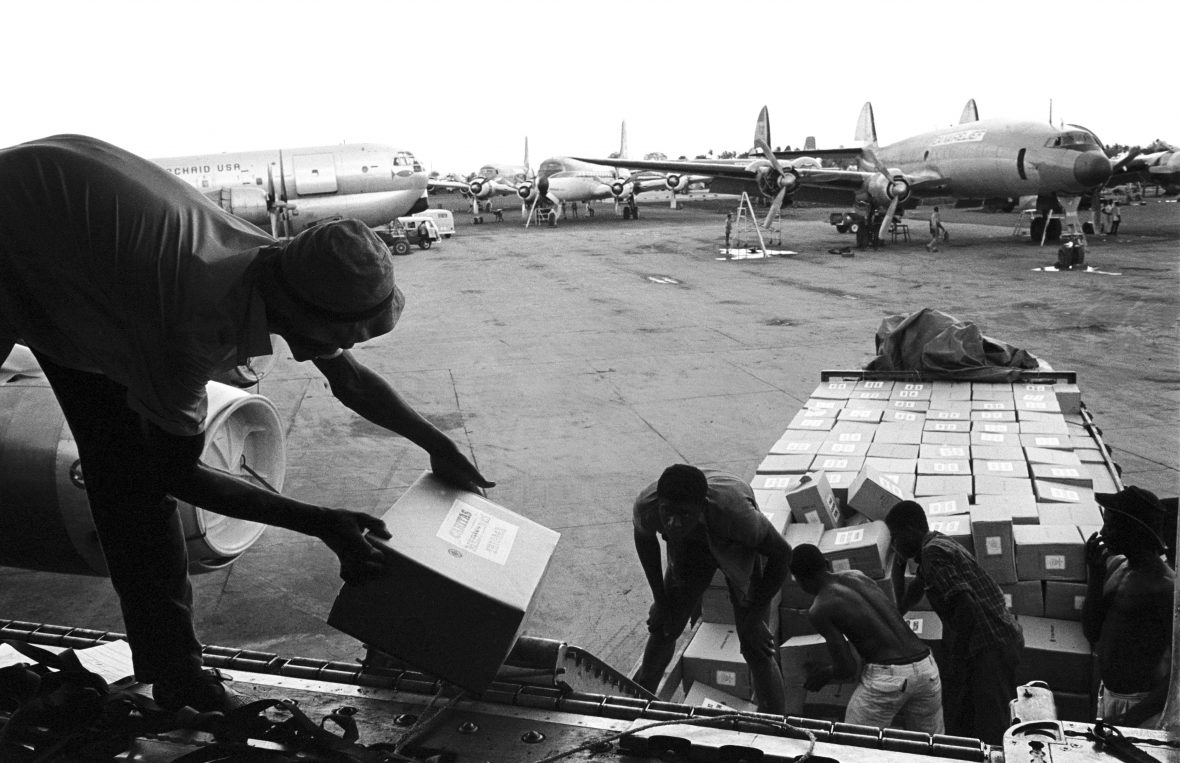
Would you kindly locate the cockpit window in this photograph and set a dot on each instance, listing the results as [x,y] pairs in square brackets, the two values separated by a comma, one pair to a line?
[1073,138]
[406,159]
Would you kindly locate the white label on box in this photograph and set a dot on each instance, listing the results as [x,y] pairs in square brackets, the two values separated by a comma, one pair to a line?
[835,463]
[907,393]
[992,405]
[1064,472]
[874,385]
[940,467]
[837,385]
[1008,600]
[916,625]
[903,416]
[1055,561]
[990,427]
[843,447]
[713,704]
[478,532]
[726,678]
[812,517]
[947,414]
[989,415]
[941,427]
[797,446]
[1031,397]
[999,466]
[841,565]
[943,507]
[1035,406]
[1048,442]
[1035,388]
[850,436]
[845,537]
[772,482]
[1067,495]
[994,545]
[1078,603]
[988,437]
[811,423]
[952,452]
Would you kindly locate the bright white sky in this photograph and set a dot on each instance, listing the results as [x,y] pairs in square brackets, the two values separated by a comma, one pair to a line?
[462,83]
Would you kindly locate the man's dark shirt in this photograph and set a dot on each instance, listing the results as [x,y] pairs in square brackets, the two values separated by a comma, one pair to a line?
[945,567]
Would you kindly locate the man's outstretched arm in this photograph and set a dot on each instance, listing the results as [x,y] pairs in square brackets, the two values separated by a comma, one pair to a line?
[369,395]
[176,461]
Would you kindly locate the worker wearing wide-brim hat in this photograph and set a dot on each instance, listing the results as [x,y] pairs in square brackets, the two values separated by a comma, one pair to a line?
[133,291]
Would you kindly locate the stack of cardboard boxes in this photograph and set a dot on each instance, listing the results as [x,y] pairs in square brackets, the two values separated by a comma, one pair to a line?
[1007,470]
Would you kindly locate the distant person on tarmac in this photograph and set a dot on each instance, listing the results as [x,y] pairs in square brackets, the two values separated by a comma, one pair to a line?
[728,229]
[132,290]
[899,675]
[1116,217]
[710,520]
[983,640]
[936,230]
[1127,613]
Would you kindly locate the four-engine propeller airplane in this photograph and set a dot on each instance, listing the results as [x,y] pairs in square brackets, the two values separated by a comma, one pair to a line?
[293,189]
[975,159]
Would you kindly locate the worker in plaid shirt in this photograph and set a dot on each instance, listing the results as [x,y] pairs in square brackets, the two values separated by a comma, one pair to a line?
[983,640]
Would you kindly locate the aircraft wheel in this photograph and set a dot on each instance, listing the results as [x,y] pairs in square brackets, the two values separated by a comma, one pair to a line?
[1036,229]
[477,220]
[626,213]
[841,228]
[425,243]
[855,228]
[1054,229]
[552,219]
[401,247]
[635,213]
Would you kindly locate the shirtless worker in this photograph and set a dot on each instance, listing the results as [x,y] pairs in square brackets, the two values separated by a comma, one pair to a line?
[1127,614]
[133,291]
[899,675]
[710,520]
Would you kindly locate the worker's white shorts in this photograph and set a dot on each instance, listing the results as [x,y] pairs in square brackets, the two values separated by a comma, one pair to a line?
[913,691]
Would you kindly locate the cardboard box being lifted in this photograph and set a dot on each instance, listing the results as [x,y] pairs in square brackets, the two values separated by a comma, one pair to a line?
[464,574]
[812,500]
[874,495]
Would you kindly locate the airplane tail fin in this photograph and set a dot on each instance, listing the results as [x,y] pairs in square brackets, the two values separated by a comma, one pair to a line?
[866,126]
[809,143]
[528,168]
[970,112]
[762,127]
[623,141]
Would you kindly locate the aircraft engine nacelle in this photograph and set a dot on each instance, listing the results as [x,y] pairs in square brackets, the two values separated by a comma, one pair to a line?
[480,188]
[247,202]
[526,191]
[676,182]
[884,191]
[621,188]
[771,181]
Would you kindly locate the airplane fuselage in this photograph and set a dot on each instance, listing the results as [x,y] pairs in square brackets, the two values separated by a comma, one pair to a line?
[999,158]
[366,181]
[568,179]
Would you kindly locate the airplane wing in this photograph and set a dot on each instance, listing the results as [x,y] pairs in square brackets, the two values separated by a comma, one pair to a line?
[458,185]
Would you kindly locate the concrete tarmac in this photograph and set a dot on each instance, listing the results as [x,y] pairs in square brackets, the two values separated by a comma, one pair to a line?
[574,363]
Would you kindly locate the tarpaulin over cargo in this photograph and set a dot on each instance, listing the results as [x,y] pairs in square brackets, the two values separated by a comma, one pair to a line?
[936,345]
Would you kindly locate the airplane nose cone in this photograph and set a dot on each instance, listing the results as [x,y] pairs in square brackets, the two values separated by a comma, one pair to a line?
[1091,168]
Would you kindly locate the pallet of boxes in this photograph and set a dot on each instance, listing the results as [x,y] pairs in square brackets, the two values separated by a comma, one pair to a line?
[1009,470]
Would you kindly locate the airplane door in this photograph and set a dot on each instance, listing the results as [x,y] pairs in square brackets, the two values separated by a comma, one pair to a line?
[314,173]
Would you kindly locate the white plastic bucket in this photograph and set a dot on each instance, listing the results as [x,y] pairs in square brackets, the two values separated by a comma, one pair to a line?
[45,521]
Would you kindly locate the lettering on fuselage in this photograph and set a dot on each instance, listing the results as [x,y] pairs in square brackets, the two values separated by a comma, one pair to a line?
[205,169]
[962,136]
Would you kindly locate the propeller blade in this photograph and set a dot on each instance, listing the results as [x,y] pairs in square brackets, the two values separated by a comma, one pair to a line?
[762,144]
[888,218]
[775,206]
[872,155]
[532,209]
[1122,163]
